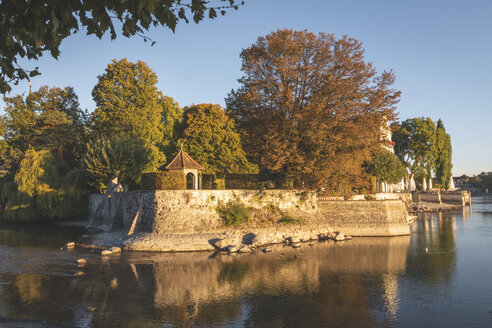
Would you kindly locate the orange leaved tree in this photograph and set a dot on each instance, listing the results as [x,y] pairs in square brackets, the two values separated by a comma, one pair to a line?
[311,108]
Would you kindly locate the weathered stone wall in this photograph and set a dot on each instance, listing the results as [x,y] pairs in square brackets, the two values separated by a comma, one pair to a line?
[459,197]
[194,212]
[434,197]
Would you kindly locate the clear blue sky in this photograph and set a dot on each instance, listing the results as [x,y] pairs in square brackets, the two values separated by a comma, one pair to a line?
[440,51]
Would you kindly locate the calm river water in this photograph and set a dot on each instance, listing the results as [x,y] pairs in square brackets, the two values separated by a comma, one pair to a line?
[441,276]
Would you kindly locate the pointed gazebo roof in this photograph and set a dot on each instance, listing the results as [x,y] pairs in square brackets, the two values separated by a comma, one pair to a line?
[183,161]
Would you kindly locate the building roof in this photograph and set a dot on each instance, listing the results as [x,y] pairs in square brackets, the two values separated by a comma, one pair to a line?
[183,161]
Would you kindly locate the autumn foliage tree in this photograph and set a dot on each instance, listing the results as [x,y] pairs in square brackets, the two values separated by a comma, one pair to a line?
[311,108]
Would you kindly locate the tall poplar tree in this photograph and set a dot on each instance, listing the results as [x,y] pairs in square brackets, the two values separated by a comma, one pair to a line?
[443,156]
[311,108]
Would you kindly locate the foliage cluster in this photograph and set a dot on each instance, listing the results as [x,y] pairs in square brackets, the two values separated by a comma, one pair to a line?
[126,156]
[310,108]
[30,28]
[38,191]
[484,180]
[163,181]
[425,148]
[234,212]
[385,166]
[210,136]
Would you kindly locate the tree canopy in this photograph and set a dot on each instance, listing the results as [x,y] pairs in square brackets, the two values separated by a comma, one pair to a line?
[310,107]
[30,28]
[210,136]
[443,157]
[127,156]
[386,167]
[49,118]
[128,103]
[425,148]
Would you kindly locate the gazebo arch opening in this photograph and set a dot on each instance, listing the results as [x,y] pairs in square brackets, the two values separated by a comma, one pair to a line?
[190,181]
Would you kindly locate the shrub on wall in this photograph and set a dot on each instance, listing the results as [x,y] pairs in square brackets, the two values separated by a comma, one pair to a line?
[219,184]
[163,181]
[233,213]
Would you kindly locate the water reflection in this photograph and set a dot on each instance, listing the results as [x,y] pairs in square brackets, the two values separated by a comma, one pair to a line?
[326,283]
[432,255]
[428,279]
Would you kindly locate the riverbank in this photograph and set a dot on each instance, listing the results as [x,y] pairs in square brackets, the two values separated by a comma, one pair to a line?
[432,207]
[184,221]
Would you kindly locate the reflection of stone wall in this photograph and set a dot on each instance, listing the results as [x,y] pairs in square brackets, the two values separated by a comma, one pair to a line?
[197,279]
[194,211]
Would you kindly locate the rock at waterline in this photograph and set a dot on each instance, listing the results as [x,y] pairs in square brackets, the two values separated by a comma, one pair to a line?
[266,250]
[296,245]
[223,243]
[81,262]
[78,274]
[106,252]
[115,250]
[232,249]
[339,237]
[70,244]
[244,249]
[347,237]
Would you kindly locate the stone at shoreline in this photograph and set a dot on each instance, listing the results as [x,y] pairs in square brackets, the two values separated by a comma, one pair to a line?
[232,248]
[223,243]
[78,274]
[261,239]
[347,237]
[266,250]
[296,245]
[244,249]
[339,237]
[70,244]
[115,250]
[81,261]
[106,252]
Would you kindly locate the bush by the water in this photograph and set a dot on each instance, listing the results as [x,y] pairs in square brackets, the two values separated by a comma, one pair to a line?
[163,180]
[233,212]
[39,192]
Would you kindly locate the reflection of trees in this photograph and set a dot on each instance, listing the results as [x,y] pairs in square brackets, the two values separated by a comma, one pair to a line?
[436,233]
[28,287]
[310,286]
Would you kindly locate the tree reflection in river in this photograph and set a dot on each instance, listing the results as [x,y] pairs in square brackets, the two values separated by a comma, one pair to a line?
[356,283]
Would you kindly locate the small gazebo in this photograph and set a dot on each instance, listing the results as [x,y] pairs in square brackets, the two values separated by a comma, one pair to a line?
[191,169]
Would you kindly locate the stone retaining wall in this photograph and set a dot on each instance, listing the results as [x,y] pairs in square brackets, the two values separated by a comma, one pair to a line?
[194,212]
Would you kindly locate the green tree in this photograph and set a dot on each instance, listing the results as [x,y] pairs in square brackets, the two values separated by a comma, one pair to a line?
[38,190]
[444,152]
[211,138]
[30,28]
[386,167]
[49,118]
[484,180]
[128,103]
[172,117]
[107,156]
[415,145]
[311,108]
